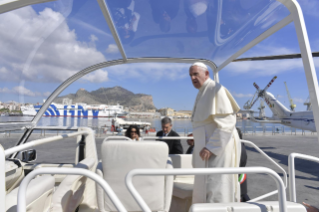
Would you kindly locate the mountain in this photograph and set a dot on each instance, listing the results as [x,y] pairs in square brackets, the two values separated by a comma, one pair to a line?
[111,96]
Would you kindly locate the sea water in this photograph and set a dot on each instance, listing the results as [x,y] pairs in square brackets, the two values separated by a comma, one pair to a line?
[179,125]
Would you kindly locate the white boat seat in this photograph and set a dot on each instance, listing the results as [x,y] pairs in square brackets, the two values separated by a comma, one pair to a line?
[183,184]
[182,161]
[118,158]
[69,193]
[265,206]
[38,197]
[14,174]
[183,187]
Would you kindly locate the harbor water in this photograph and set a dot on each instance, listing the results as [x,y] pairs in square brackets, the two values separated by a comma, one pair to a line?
[182,126]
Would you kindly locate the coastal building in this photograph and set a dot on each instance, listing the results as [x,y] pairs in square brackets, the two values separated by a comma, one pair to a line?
[166,111]
[144,115]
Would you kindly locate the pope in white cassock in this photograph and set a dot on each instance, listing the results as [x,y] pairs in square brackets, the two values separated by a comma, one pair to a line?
[216,140]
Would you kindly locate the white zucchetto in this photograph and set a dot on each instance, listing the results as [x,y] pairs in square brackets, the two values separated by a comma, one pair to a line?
[200,64]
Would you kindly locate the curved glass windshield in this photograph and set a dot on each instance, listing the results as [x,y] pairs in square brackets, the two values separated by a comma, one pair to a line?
[45,44]
[212,30]
[42,45]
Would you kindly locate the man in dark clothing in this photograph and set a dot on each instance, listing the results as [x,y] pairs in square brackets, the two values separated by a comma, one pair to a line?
[242,177]
[190,142]
[174,146]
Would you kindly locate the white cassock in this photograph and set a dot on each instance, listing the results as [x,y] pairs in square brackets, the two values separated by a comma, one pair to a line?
[214,120]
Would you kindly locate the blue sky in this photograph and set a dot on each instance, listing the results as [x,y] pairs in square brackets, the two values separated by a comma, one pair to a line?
[47,43]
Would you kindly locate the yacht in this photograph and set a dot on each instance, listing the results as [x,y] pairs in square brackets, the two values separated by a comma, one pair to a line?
[48,41]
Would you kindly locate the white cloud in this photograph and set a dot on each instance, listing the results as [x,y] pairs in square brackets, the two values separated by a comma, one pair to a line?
[4,90]
[47,93]
[310,7]
[112,48]
[41,47]
[268,67]
[97,76]
[298,100]
[241,95]
[21,90]
[90,27]
[264,68]
[93,38]
[150,71]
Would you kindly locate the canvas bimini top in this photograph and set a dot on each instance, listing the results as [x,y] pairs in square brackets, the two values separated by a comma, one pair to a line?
[42,36]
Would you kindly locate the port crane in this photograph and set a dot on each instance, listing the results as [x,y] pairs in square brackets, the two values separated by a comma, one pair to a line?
[308,104]
[292,105]
[261,109]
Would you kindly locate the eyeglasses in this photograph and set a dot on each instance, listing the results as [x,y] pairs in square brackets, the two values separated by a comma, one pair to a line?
[133,131]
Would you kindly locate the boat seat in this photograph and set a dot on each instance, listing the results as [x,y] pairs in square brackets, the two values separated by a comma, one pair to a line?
[14,174]
[183,184]
[38,197]
[69,194]
[118,158]
[265,206]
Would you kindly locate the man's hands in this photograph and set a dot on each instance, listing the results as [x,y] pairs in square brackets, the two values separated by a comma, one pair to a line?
[310,208]
[205,154]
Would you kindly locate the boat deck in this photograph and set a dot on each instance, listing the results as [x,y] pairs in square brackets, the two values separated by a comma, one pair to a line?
[277,147]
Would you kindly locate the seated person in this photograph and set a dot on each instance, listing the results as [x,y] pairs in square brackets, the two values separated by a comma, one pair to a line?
[174,146]
[133,132]
[190,142]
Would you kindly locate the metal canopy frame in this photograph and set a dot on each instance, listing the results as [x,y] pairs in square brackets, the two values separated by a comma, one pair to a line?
[296,16]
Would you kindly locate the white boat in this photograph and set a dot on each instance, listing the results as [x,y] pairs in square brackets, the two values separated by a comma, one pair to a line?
[77,110]
[226,30]
[125,124]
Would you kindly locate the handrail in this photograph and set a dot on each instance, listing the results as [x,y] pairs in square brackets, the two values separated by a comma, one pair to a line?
[167,137]
[42,141]
[274,162]
[56,128]
[117,138]
[2,180]
[254,146]
[201,171]
[21,207]
[291,169]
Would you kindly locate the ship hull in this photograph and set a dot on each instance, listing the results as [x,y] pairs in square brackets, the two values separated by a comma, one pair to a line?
[78,111]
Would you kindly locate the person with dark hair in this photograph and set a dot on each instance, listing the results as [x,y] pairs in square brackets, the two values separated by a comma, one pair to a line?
[190,142]
[133,132]
[242,177]
[174,146]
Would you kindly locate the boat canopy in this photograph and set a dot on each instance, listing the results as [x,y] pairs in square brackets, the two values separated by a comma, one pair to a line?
[45,38]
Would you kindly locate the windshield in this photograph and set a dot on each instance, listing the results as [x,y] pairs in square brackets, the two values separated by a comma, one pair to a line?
[212,30]
[45,44]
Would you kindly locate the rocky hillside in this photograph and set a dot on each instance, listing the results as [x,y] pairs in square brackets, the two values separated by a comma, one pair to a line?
[111,96]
